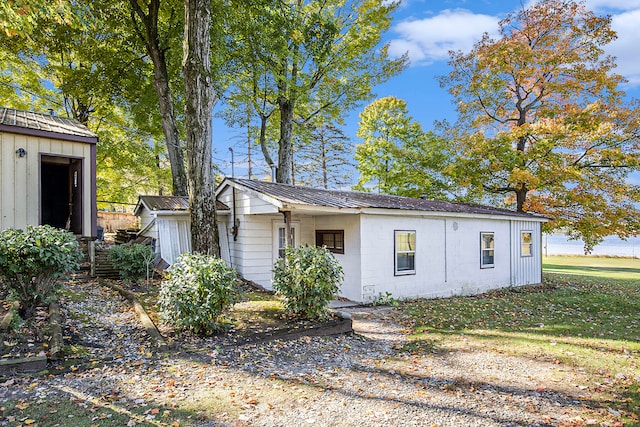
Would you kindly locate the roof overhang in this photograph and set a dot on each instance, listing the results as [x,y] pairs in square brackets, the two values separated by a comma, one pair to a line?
[307,209]
[47,134]
[272,200]
[321,210]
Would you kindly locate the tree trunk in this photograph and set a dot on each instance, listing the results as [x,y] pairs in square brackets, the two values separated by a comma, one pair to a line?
[285,149]
[200,99]
[521,197]
[263,140]
[165,100]
[521,188]
[323,147]
[169,125]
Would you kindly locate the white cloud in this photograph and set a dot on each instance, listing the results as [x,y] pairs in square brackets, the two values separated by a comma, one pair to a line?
[430,39]
[625,48]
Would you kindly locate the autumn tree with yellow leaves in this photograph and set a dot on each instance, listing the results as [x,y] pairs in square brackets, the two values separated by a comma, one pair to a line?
[543,124]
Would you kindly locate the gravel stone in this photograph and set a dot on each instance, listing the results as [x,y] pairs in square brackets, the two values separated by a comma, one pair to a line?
[362,379]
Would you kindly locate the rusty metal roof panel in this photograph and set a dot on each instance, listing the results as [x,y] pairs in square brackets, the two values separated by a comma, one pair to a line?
[30,122]
[172,203]
[354,199]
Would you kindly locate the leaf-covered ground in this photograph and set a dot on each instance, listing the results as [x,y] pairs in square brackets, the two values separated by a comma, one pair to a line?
[562,354]
[583,317]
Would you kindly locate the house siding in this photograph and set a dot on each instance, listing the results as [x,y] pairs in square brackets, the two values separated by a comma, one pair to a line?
[20,178]
[448,243]
[526,270]
[176,236]
[145,218]
[350,260]
[251,254]
[447,257]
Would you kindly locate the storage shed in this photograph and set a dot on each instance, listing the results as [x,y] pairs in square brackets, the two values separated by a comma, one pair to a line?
[47,172]
[386,244]
[167,220]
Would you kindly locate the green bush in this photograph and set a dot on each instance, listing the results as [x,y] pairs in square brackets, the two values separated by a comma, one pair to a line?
[195,293]
[132,260]
[32,262]
[308,277]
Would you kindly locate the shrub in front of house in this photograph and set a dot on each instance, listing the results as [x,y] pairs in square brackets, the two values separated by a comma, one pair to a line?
[195,293]
[33,261]
[308,277]
[132,260]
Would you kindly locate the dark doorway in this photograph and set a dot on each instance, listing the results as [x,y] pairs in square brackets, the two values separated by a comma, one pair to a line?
[61,193]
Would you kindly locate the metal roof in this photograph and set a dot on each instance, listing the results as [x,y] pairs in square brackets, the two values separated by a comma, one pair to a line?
[28,122]
[171,203]
[354,199]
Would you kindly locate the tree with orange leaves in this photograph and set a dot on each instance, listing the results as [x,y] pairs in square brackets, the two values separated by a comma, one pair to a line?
[543,125]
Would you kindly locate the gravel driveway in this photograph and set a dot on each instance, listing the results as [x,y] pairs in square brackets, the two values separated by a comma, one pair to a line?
[360,380]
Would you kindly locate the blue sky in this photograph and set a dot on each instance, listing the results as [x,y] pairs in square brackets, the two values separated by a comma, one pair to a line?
[427,30]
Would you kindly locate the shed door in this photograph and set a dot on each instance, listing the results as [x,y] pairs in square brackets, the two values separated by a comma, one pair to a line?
[61,193]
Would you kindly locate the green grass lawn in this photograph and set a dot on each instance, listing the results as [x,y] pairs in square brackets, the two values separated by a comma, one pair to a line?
[586,315]
[592,267]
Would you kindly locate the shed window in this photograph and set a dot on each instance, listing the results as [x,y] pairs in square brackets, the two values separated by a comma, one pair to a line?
[332,239]
[526,243]
[487,250]
[405,249]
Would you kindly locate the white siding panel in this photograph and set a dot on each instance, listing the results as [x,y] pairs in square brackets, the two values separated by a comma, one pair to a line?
[20,178]
[526,270]
[252,250]
[350,260]
[33,182]
[7,181]
[224,241]
[145,218]
[21,185]
[464,273]
[447,256]
[378,257]
[175,236]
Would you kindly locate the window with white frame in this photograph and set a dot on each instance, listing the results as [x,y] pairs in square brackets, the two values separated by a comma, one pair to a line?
[487,250]
[282,239]
[405,250]
[526,243]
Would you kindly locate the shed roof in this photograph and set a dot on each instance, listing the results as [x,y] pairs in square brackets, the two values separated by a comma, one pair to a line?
[170,203]
[46,125]
[309,196]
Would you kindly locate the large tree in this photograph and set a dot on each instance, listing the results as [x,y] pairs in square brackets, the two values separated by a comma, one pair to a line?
[71,58]
[303,58]
[543,123]
[396,155]
[200,99]
[158,24]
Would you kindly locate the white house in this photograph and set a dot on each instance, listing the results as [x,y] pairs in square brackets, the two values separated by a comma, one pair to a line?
[47,172]
[404,246]
[167,220]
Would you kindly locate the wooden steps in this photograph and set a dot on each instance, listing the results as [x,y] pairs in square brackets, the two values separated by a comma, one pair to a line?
[105,268]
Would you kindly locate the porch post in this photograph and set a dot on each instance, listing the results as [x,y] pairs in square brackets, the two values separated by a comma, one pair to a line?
[287,225]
